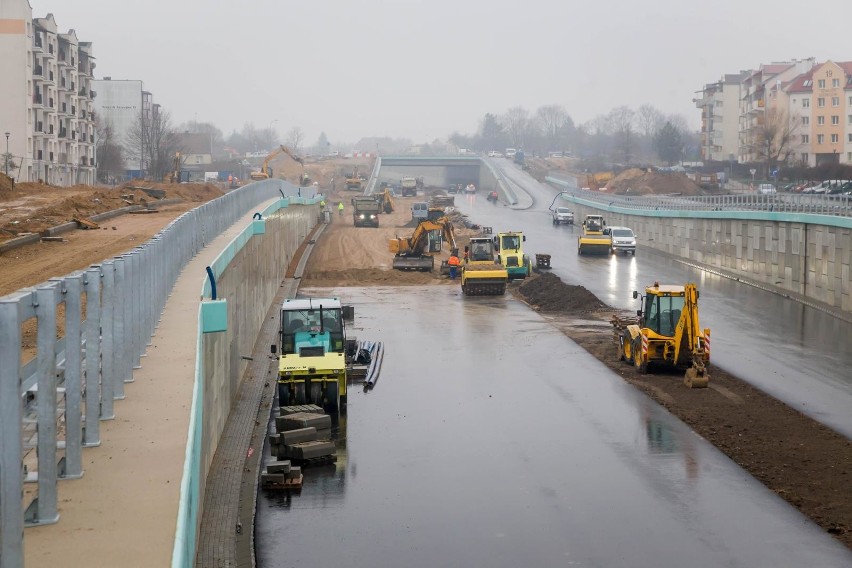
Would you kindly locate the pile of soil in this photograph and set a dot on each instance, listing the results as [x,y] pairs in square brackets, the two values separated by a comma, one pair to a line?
[370,277]
[6,184]
[548,293]
[641,182]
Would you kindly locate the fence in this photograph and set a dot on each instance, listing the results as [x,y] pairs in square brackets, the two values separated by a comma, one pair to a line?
[52,401]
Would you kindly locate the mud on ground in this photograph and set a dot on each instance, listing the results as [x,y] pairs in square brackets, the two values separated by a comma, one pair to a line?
[802,461]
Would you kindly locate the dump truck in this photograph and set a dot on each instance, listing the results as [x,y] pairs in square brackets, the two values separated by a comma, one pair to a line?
[511,255]
[408,186]
[596,238]
[415,252]
[668,333]
[312,353]
[365,211]
[481,275]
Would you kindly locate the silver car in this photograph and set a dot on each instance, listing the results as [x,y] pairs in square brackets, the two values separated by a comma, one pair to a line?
[563,215]
[623,240]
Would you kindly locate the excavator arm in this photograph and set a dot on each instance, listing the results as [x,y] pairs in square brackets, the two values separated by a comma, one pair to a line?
[264,169]
[411,251]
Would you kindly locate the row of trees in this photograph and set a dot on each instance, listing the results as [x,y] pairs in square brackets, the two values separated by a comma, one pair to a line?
[622,135]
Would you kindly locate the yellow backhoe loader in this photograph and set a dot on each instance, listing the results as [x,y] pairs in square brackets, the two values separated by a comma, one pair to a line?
[266,172]
[385,200]
[668,333]
[415,252]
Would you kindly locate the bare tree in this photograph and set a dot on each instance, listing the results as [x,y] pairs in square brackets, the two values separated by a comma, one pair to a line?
[514,122]
[108,151]
[295,136]
[552,119]
[775,138]
[649,120]
[153,142]
[621,126]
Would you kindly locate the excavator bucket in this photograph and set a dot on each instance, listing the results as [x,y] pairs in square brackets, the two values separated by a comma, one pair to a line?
[421,263]
[696,378]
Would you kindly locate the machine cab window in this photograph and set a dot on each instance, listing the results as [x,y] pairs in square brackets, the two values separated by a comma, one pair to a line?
[310,328]
[510,242]
[662,313]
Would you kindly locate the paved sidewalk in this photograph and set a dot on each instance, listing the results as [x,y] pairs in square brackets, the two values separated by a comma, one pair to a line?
[123,512]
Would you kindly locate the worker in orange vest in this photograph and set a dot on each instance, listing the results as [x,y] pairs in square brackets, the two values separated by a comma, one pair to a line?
[454,263]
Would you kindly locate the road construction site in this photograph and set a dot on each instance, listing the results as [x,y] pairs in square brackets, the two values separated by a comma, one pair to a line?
[528,433]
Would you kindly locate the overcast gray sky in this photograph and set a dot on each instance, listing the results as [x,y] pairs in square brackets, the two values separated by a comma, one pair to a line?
[423,68]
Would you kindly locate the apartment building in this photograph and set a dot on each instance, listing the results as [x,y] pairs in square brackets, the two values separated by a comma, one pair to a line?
[720,111]
[46,98]
[125,105]
[754,90]
[820,104]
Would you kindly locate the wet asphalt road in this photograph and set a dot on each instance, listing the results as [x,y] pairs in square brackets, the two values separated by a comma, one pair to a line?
[796,353]
[492,440]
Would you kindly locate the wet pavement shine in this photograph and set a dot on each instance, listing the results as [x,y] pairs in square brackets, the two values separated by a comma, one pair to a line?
[493,440]
[794,352]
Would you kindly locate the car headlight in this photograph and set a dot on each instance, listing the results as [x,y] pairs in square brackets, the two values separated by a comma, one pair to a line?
[372,216]
[361,216]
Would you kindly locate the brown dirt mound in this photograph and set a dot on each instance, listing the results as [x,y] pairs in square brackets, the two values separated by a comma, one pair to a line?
[640,182]
[548,293]
[5,184]
[371,277]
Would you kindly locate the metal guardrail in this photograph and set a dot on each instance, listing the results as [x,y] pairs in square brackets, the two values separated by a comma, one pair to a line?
[829,205]
[374,177]
[58,396]
[502,182]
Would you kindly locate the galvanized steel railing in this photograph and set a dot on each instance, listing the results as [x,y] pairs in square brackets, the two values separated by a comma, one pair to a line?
[834,205]
[110,312]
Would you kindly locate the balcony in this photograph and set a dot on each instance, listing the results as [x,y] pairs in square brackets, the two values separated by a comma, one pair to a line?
[91,138]
[37,100]
[84,161]
[38,71]
[38,46]
[63,158]
[63,108]
[51,156]
[63,133]
[93,94]
[83,92]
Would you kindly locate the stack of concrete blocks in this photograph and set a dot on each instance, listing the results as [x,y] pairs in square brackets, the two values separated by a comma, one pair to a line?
[303,435]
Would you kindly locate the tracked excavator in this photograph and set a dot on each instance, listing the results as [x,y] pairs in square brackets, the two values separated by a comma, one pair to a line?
[668,333]
[481,274]
[266,172]
[415,252]
[596,238]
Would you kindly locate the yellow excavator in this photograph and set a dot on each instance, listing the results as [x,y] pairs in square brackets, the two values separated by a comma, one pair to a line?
[596,237]
[668,333]
[266,172]
[385,200]
[481,275]
[415,252]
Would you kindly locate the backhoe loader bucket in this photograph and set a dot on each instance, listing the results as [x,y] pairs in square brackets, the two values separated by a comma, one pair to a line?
[696,377]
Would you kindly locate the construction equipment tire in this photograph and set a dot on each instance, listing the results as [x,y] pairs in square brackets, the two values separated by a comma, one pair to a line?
[626,348]
[638,361]
[330,401]
[299,394]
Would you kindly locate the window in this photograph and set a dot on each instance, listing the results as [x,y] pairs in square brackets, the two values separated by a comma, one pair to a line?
[804,157]
[806,102]
[821,102]
[835,101]
[821,84]
[805,139]
[820,120]
[835,138]
[806,120]
[820,138]
[849,156]
[835,82]
[850,98]
[835,119]
[849,138]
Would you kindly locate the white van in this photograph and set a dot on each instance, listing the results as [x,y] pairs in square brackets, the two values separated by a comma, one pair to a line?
[766,189]
[510,153]
[420,211]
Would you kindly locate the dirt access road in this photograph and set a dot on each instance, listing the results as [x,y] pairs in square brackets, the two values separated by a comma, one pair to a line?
[802,461]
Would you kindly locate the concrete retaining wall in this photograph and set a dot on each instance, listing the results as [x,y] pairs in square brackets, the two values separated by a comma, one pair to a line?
[803,259]
[249,283]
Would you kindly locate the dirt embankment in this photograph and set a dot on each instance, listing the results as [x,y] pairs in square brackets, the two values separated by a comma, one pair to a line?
[802,461]
[643,182]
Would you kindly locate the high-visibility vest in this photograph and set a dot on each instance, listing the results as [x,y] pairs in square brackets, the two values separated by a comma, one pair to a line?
[340,206]
[454,261]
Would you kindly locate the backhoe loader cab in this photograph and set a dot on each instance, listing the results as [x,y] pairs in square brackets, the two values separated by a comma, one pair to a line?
[668,333]
[511,254]
[312,360]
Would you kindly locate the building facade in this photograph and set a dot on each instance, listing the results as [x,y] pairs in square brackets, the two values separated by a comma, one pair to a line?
[128,108]
[720,110]
[46,98]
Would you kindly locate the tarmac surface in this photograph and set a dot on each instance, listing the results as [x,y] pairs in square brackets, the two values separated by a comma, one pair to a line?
[493,440]
[794,352]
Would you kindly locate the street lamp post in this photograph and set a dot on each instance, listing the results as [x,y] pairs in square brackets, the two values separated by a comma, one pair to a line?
[6,157]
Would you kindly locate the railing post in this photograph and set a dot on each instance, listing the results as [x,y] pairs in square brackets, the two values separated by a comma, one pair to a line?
[91,433]
[11,444]
[43,509]
[119,330]
[107,342]
[73,379]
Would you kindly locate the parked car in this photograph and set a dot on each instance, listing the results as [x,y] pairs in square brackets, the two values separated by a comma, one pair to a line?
[495,154]
[470,188]
[453,188]
[623,240]
[766,189]
[420,211]
[563,215]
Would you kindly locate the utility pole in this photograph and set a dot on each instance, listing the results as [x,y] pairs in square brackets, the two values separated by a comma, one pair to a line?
[6,157]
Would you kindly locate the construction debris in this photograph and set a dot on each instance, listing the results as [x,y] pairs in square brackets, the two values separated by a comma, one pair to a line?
[84,223]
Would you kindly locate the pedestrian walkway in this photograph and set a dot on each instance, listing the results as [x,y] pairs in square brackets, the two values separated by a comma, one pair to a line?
[123,512]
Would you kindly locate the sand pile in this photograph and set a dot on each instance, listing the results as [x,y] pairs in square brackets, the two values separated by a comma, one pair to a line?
[642,182]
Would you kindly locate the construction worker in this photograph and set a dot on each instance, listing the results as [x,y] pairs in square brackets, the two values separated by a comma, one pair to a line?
[466,254]
[454,263]
[340,208]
